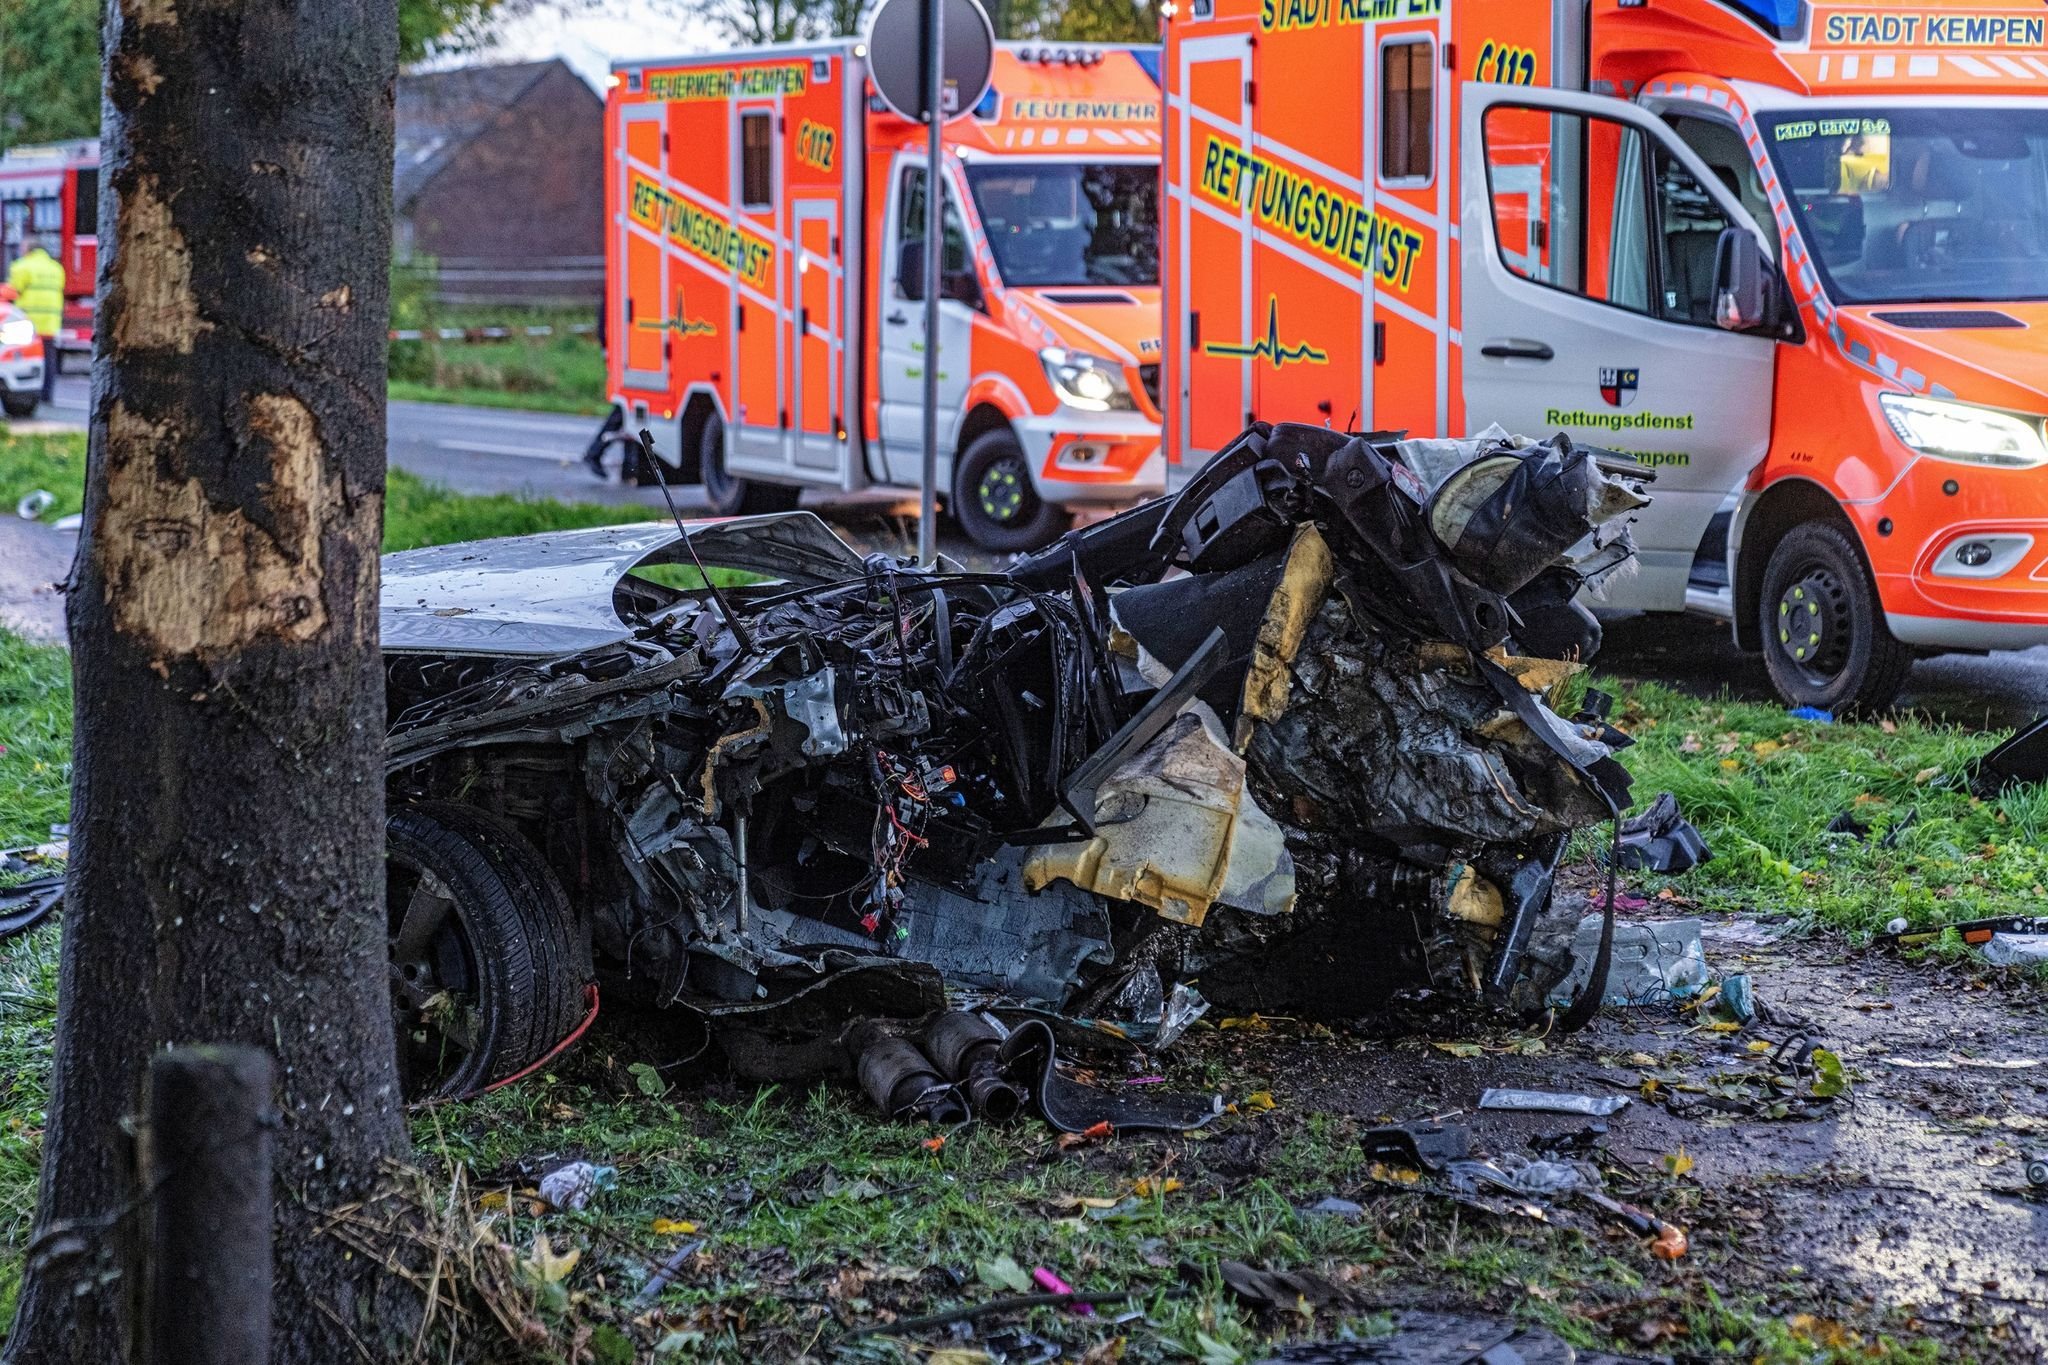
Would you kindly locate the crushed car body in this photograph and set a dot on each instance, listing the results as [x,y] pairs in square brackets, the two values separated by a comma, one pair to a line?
[1287,740]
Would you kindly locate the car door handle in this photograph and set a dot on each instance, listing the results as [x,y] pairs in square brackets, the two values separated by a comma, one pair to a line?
[1517,350]
[896,319]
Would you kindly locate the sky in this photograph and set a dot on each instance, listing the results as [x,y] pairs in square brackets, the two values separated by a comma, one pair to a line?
[590,34]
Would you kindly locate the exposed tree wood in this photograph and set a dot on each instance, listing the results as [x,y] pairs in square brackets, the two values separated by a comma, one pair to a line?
[205,1160]
[227,826]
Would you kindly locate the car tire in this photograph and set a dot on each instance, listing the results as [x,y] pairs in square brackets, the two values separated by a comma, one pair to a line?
[19,405]
[1825,640]
[994,500]
[479,925]
[728,495]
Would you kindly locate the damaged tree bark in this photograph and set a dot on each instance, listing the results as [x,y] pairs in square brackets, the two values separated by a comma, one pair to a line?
[228,813]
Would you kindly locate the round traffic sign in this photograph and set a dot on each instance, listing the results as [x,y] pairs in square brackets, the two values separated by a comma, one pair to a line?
[896,50]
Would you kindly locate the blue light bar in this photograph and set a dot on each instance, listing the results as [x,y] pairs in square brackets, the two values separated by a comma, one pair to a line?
[1780,18]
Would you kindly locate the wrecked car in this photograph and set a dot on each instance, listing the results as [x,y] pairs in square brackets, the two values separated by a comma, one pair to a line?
[1288,740]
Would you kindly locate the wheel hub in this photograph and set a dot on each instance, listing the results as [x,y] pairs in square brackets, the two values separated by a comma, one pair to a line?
[1812,623]
[1001,491]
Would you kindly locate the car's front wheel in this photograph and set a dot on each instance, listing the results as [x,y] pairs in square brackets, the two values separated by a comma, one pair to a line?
[19,404]
[488,968]
[1825,640]
[995,502]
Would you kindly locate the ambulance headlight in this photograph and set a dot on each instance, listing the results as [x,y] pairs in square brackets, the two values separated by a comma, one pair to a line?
[1085,381]
[1958,431]
[17,331]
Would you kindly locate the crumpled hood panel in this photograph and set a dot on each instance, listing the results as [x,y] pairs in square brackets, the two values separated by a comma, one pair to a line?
[553,593]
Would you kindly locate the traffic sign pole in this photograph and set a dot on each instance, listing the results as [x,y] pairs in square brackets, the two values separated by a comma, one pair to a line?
[934,267]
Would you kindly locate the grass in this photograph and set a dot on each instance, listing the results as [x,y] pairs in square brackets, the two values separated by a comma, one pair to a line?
[52,463]
[35,742]
[814,1214]
[1763,788]
[562,372]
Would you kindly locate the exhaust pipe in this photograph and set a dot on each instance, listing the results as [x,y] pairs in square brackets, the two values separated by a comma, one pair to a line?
[965,1048]
[901,1080]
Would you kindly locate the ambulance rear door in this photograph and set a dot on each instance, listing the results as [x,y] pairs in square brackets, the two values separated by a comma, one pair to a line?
[792,185]
[1588,249]
[1208,263]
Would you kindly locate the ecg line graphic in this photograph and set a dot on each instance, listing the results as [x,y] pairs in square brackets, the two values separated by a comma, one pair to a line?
[1268,345]
[680,324]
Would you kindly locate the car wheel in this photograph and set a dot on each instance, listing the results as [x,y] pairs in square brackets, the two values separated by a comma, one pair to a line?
[19,404]
[487,966]
[994,500]
[728,495]
[1824,634]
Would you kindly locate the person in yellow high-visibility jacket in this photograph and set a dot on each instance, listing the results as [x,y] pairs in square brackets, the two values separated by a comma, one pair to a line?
[40,282]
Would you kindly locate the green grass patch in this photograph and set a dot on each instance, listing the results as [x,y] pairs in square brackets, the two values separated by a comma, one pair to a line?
[35,741]
[28,1010]
[53,463]
[1763,788]
[497,398]
[561,372]
[419,512]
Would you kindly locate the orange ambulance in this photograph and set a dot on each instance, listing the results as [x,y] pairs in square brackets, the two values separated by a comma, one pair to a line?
[1792,254]
[764,248]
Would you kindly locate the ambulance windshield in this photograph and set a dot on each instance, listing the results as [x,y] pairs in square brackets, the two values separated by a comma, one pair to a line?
[1062,223]
[1923,205]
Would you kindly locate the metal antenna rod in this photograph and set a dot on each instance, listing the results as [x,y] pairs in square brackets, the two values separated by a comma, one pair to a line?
[725,610]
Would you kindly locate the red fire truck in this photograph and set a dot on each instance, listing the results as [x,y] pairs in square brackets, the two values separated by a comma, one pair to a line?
[52,192]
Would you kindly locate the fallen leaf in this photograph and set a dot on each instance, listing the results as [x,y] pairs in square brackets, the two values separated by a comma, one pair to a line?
[1459,1049]
[1829,1078]
[672,1227]
[1004,1273]
[958,1355]
[1764,748]
[1259,1099]
[1926,775]
[934,1144]
[1249,1021]
[1151,1186]
[546,1266]
[494,1199]
[1730,765]
[1678,1163]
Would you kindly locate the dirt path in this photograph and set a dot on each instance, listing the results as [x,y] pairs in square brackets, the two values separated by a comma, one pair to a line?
[1908,1195]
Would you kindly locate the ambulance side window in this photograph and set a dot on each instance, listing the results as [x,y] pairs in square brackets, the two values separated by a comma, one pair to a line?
[757,161]
[1407,111]
[910,221]
[1594,207]
[1689,225]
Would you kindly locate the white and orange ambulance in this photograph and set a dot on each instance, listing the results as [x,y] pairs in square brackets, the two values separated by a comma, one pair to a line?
[764,257]
[1792,254]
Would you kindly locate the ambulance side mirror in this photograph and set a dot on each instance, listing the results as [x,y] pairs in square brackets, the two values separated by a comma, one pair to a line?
[910,270]
[1742,282]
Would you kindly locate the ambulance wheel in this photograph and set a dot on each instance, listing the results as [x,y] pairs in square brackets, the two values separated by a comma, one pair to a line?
[19,404]
[729,495]
[1824,634]
[994,501]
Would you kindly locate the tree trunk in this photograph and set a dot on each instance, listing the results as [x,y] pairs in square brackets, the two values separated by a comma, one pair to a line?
[228,810]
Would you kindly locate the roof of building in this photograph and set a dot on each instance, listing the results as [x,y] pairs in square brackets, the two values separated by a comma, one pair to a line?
[441,112]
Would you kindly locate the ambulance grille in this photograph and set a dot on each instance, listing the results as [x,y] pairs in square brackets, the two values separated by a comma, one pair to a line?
[1148,375]
[1935,320]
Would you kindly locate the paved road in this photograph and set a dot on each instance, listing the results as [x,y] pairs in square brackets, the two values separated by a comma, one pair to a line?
[486,450]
